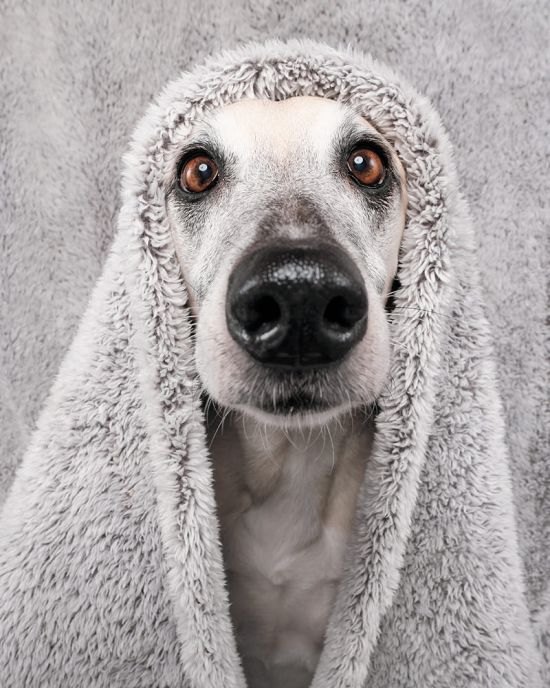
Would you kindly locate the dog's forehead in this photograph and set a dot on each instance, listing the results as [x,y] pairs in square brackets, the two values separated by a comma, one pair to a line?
[282,126]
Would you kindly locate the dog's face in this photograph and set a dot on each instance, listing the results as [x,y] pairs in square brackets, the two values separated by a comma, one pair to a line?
[287,218]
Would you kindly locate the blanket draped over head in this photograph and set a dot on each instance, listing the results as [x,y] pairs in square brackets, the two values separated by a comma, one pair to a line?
[111,569]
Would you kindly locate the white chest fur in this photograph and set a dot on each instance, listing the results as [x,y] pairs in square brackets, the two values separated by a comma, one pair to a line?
[286,507]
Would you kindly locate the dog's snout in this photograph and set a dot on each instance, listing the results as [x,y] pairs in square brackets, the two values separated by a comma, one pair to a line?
[297,305]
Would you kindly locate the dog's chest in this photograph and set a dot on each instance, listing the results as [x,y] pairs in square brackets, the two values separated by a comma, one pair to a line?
[285,522]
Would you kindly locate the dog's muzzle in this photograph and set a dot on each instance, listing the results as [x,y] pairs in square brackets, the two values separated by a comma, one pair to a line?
[297,305]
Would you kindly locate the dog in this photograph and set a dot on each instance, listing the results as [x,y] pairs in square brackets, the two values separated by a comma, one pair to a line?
[287,217]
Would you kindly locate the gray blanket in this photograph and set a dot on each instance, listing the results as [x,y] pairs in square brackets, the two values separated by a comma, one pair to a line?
[27,211]
[110,564]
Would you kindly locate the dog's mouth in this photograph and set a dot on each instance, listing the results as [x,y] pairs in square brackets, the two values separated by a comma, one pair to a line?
[299,398]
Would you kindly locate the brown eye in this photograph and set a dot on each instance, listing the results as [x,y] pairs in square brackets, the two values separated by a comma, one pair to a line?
[367,167]
[198,174]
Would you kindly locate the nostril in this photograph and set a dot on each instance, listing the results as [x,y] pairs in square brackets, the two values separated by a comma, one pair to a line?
[261,315]
[341,314]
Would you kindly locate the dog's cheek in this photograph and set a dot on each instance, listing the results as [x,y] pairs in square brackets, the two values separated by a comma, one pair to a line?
[210,362]
[374,353]
[216,354]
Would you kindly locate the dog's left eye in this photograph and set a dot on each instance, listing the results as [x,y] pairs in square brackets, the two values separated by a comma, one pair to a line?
[198,173]
[367,167]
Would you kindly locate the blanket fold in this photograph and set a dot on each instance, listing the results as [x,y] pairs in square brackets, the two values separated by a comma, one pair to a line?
[111,571]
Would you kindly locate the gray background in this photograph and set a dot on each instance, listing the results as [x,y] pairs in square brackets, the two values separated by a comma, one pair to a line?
[76,76]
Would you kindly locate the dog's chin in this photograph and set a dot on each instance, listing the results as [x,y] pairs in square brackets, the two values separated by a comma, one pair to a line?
[297,413]
[295,418]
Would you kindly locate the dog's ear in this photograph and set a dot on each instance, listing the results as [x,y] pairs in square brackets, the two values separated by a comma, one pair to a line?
[390,301]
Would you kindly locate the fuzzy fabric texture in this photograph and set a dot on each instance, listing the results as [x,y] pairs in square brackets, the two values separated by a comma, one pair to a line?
[74,77]
[111,571]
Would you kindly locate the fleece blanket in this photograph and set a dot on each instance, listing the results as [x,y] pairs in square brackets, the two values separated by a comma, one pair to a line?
[111,571]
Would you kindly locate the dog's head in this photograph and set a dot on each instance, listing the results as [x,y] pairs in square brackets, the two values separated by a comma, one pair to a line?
[287,218]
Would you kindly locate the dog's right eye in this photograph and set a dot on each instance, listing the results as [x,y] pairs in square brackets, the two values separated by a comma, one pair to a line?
[198,173]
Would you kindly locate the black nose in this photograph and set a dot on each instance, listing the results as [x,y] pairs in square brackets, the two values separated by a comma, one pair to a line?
[297,305]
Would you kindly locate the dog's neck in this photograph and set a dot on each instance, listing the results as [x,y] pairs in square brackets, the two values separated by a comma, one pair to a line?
[260,459]
[286,502]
